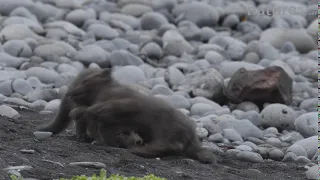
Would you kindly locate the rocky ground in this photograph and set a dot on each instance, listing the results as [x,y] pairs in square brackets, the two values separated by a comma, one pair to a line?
[50,158]
[248,80]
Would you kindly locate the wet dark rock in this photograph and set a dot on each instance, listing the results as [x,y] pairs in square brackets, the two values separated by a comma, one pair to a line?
[271,85]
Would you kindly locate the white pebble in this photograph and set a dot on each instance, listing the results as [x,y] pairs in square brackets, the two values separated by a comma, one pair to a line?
[42,135]
[307,124]
[313,172]
[9,112]
[278,115]
[250,156]
[276,154]
[232,135]
[53,105]
[244,148]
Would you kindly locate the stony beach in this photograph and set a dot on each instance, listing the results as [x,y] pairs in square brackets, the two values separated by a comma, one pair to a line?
[249,81]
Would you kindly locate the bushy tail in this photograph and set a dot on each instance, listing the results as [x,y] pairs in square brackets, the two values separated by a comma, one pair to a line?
[61,120]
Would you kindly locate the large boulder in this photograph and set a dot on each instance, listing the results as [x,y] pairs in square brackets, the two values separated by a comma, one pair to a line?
[271,85]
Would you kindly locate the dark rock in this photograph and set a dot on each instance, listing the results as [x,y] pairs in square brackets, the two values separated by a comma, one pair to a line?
[271,85]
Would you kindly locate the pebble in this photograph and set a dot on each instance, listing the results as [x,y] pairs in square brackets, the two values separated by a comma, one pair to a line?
[9,112]
[288,47]
[53,105]
[250,157]
[309,105]
[17,48]
[274,142]
[43,74]
[18,32]
[102,31]
[200,109]
[299,37]
[9,75]
[6,87]
[79,16]
[214,57]
[267,51]
[276,154]
[206,33]
[177,48]
[129,75]
[244,148]
[297,150]
[313,172]
[232,153]
[197,12]
[135,9]
[309,144]
[152,20]
[21,86]
[152,50]
[42,135]
[9,60]
[246,129]
[289,157]
[46,94]
[18,168]
[57,48]
[212,128]
[23,12]
[161,89]
[44,112]
[217,138]
[92,53]
[231,20]
[302,159]
[124,58]
[205,83]
[97,165]
[248,106]
[16,101]
[184,111]
[252,116]
[251,57]
[307,124]
[232,135]
[67,26]
[256,141]
[176,101]
[250,144]
[34,82]
[65,78]
[278,115]
[234,48]
[202,133]
[39,103]
[174,76]
[271,130]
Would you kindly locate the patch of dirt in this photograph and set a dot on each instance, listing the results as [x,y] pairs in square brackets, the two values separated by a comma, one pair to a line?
[64,148]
